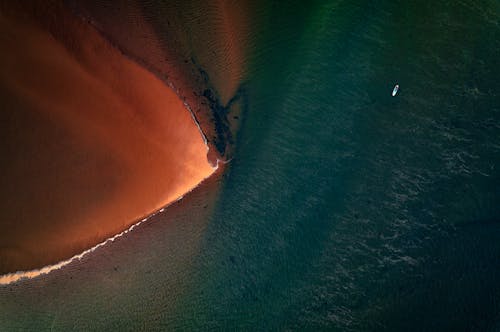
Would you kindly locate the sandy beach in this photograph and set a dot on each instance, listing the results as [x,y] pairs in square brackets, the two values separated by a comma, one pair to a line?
[93,141]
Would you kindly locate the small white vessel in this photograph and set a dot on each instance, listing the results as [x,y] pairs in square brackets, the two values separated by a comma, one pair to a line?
[395,90]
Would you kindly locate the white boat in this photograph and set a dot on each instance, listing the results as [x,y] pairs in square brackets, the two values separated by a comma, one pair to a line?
[395,90]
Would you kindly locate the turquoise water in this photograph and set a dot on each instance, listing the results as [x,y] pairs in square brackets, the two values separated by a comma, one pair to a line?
[342,209]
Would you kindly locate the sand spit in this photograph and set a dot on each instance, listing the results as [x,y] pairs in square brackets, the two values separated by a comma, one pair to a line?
[198,47]
[10,278]
[91,140]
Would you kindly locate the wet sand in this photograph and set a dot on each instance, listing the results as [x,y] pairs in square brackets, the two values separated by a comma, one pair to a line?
[91,141]
[198,47]
[138,280]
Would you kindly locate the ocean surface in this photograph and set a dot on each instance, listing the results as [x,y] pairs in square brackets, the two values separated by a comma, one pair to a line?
[342,208]
[345,208]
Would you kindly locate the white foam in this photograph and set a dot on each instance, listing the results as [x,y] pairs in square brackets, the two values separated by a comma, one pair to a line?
[10,278]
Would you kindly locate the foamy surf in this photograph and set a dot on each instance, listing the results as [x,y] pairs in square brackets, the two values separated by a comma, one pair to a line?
[10,278]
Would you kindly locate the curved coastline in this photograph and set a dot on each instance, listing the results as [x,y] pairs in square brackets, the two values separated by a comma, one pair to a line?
[210,89]
[10,278]
[135,148]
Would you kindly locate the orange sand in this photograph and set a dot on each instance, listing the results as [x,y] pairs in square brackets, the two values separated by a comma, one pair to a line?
[180,38]
[90,141]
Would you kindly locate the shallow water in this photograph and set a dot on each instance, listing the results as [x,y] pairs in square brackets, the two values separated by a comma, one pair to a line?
[343,208]
[92,141]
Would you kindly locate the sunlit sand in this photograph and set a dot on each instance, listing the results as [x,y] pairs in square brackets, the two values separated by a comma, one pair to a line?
[93,142]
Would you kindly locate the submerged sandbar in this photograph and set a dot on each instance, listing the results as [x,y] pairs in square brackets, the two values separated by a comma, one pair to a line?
[91,141]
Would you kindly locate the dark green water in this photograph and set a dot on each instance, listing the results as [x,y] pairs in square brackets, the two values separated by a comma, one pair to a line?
[343,208]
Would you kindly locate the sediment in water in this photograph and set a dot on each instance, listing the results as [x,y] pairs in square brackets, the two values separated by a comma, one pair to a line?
[199,48]
[91,140]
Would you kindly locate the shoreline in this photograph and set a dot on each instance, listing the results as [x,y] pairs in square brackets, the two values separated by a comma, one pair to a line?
[13,277]
[68,234]
[144,44]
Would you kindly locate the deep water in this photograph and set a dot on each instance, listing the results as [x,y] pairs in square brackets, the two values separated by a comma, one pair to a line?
[343,208]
